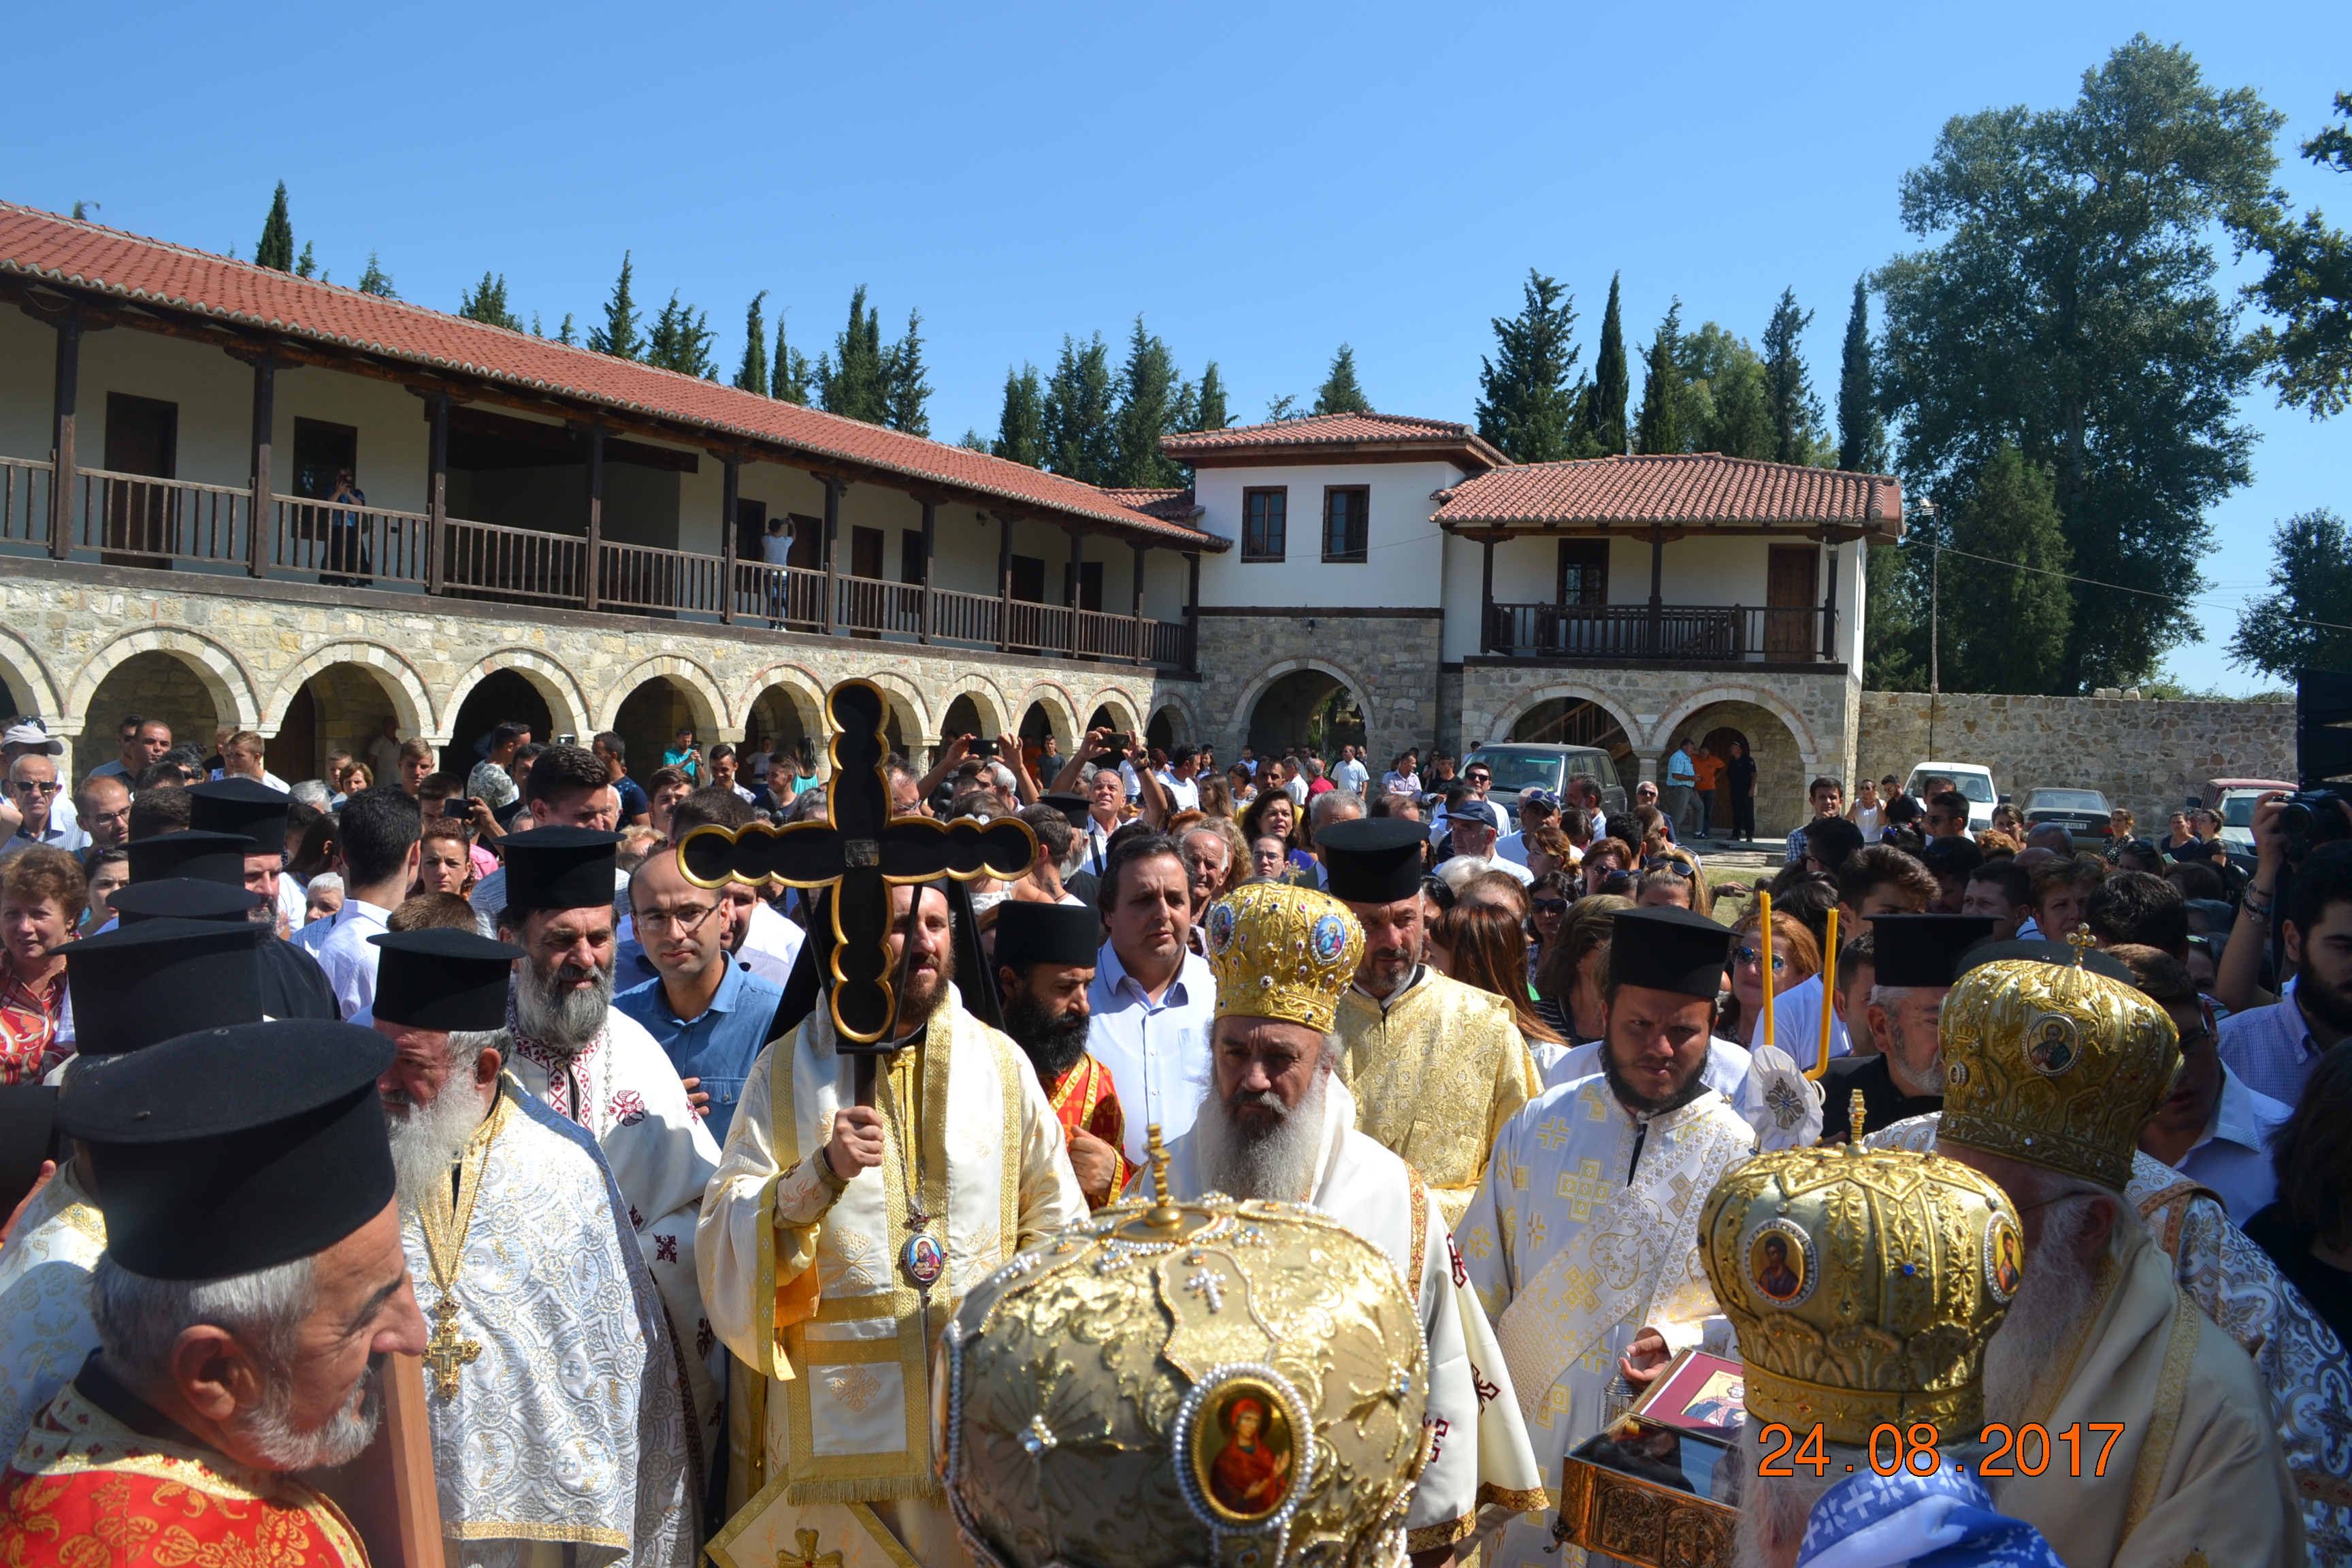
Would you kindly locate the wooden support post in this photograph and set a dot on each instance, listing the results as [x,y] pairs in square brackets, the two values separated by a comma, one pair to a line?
[1486,638]
[831,554]
[596,516]
[261,526]
[408,1432]
[1135,606]
[1078,553]
[61,437]
[730,489]
[436,492]
[1829,606]
[1657,589]
[1004,583]
[1192,611]
[930,556]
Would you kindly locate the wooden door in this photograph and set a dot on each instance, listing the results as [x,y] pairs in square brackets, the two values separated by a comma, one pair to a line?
[1792,593]
[750,530]
[865,552]
[143,436]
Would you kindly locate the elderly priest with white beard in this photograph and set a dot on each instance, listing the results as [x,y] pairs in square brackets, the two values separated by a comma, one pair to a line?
[1277,1122]
[548,1338]
[597,1068]
[1582,1240]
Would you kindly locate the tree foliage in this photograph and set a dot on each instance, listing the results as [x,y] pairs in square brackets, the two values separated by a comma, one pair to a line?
[2301,623]
[276,247]
[905,393]
[618,336]
[852,380]
[1340,392]
[1153,401]
[1722,405]
[2069,307]
[1076,430]
[306,264]
[2310,285]
[1861,433]
[680,340]
[1661,385]
[1789,402]
[375,279]
[1020,427]
[752,375]
[487,302]
[789,375]
[1600,418]
[1209,411]
[1526,405]
[2006,604]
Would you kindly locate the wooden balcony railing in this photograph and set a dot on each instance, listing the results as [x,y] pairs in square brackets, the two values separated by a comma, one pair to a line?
[1716,634]
[135,519]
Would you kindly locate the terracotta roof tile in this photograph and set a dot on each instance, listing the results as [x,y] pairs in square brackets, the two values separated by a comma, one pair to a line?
[65,252]
[1174,506]
[1701,487]
[1338,430]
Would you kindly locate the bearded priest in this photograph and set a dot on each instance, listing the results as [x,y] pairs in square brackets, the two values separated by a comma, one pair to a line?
[1044,961]
[1582,1241]
[1436,1067]
[548,1332]
[837,1239]
[1277,1122]
[597,1068]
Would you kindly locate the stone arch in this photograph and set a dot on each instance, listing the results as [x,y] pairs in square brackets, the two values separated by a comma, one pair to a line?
[1604,723]
[909,715]
[1779,740]
[1116,708]
[782,704]
[704,698]
[1669,724]
[1061,711]
[567,705]
[1276,707]
[28,674]
[992,715]
[411,704]
[222,674]
[1255,689]
[1508,721]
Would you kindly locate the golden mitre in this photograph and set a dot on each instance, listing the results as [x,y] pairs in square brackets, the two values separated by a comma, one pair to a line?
[1214,1384]
[1862,1285]
[2056,1064]
[1282,951]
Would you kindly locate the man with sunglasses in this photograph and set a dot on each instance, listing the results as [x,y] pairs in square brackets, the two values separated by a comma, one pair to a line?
[32,789]
[1478,779]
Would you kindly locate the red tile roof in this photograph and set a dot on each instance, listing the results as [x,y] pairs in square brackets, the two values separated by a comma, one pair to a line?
[1698,487]
[1340,431]
[65,253]
[1175,506]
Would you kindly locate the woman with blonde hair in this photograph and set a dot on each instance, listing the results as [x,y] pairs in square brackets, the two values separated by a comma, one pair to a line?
[1796,958]
[1485,947]
[1572,983]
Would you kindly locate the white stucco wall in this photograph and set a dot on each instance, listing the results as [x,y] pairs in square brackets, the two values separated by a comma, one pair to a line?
[1406,562]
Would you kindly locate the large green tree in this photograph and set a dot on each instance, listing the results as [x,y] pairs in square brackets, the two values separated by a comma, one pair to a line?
[906,395]
[1019,427]
[1076,430]
[1340,392]
[853,380]
[789,375]
[276,247]
[1526,405]
[752,375]
[375,279]
[1862,432]
[1723,407]
[487,302]
[2305,621]
[1153,401]
[1600,421]
[1210,412]
[2069,307]
[618,336]
[1660,429]
[2006,604]
[2310,285]
[1789,401]
[680,340]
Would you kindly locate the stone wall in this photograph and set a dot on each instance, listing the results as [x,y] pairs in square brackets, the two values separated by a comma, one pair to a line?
[1387,662]
[83,645]
[2147,756]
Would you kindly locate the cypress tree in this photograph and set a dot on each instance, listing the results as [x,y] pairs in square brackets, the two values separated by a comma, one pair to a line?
[618,335]
[487,302]
[1789,400]
[850,381]
[1077,428]
[1861,433]
[904,390]
[1019,428]
[1526,407]
[752,375]
[680,341]
[1602,423]
[307,265]
[1339,393]
[567,334]
[788,373]
[1209,411]
[1661,428]
[276,248]
[375,280]
[1149,403]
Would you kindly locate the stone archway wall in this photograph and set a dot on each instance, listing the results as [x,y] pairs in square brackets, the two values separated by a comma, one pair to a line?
[1782,774]
[154,684]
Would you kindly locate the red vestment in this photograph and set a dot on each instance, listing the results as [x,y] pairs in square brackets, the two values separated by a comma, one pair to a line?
[84,1490]
[1088,1101]
[1244,1480]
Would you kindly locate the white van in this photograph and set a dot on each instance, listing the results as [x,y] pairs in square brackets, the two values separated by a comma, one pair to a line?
[1971,781]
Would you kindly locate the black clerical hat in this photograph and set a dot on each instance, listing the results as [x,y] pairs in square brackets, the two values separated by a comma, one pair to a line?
[207,856]
[1668,950]
[1046,933]
[559,868]
[443,979]
[230,1150]
[241,806]
[1923,950]
[183,898]
[161,977]
[1373,859]
[2034,951]
[1075,807]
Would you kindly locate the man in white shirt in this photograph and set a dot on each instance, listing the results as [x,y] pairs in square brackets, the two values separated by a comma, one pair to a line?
[2212,1128]
[1537,807]
[1183,789]
[776,552]
[384,752]
[1106,792]
[376,845]
[1152,998]
[144,743]
[1474,829]
[33,789]
[568,786]
[1350,772]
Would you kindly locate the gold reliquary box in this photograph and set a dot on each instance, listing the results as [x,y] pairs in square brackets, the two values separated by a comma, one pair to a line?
[1661,1486]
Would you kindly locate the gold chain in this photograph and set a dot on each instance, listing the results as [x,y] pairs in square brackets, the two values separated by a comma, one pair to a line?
[444,1223]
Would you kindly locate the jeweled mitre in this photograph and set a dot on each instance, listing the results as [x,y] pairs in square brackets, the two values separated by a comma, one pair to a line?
[1219,1382]
[1282,951]
[1862,1285]
[2054,1065]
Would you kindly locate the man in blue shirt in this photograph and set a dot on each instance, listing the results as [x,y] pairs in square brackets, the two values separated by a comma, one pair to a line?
[614,752]
[707,1011]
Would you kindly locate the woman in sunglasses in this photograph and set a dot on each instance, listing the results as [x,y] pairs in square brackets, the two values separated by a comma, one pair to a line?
[1796,958]
[1572,986]
[1547,911]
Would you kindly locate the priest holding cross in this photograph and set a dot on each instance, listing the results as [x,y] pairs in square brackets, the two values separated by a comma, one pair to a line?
[886,1157]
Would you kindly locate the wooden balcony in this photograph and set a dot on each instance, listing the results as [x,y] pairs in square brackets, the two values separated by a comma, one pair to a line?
[1698,634]
[131,520]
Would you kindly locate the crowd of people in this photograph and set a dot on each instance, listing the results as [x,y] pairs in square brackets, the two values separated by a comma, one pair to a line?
[447,1009]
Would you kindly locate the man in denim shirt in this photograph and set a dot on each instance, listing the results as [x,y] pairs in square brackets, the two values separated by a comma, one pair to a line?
[709,1012]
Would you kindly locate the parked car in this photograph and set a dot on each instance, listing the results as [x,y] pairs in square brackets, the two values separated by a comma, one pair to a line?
[2234,800]
[2082,813]
[1518,765]
[1974,783]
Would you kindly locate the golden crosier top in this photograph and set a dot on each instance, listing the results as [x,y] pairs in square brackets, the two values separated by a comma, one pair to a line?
[1242,1388]
[2054,1065]
[1281,952]
[1862,1285]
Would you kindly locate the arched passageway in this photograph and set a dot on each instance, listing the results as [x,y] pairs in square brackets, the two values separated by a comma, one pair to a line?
[154,684]
[1572,721]
[1307,708]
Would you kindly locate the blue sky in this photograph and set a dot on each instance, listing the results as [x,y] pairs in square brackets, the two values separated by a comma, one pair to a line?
[1261,181]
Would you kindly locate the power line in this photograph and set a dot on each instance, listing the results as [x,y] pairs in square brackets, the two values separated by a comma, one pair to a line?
[2120,588]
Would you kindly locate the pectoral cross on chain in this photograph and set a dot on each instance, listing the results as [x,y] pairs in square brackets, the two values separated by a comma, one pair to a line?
[446,1351]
